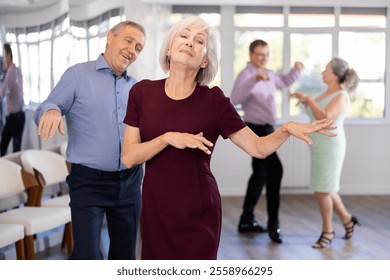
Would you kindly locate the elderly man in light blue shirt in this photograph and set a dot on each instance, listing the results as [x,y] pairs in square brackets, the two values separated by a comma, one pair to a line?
[93,98]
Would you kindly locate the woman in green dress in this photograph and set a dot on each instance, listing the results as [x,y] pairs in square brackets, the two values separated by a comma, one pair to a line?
[327,155]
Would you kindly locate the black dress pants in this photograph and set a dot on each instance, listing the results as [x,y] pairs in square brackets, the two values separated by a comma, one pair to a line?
[13,129]
[268,172]
[93,194]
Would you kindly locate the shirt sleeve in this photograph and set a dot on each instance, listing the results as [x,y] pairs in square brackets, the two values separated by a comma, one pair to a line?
[282,81]
[242,87]
[9,82]
[62,96]
[133,109]
[229,121]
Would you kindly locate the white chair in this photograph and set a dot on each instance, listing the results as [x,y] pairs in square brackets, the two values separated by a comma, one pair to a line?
[59,148]
[63,147]
[49,168]
[13,234]
[35,220]
[20,198]
[14,157]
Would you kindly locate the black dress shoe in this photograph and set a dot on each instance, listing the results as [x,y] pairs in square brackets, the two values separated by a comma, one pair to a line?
[274,234]
[251,226]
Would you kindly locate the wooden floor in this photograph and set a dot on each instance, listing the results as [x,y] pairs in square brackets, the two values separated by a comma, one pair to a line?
[301,226]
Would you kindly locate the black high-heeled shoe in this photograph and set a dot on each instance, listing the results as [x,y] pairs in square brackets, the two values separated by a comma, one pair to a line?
[324,241]
[349,227]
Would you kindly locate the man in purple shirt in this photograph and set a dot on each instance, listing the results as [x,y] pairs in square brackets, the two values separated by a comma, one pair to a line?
[93,97]
[254,89]
[12,89]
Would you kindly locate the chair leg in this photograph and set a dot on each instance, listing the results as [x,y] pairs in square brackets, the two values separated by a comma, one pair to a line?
[20,250]
[67,238]
[34,195]
[29,246]
[63,242]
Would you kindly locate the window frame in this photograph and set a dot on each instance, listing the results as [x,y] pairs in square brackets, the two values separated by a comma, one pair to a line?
[13,34]
[335,33]
[59,28]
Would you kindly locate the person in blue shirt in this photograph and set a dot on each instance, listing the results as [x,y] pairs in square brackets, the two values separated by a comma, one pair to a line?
[93,98]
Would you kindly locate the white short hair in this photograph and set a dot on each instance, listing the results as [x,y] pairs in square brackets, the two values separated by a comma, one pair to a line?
[207,74]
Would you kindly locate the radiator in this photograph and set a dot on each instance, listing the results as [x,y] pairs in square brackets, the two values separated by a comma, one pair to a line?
[295,157]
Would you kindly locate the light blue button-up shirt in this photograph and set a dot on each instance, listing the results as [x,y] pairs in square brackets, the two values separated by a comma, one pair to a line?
[94,102]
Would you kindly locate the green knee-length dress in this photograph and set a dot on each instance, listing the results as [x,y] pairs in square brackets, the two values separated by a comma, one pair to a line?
[327,153]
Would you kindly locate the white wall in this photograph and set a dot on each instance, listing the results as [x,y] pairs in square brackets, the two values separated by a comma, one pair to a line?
[366,167]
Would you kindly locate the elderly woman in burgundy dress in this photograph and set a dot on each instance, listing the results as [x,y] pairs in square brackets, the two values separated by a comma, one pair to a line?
[172,126]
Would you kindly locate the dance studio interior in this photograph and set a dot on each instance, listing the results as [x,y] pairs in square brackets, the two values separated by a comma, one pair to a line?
[49,36]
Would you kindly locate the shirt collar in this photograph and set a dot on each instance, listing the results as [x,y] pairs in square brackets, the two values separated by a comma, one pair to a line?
[252,67]
[101,64]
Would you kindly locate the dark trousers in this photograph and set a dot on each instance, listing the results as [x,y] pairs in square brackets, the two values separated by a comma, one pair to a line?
[96,193]
[268,172]
[13,129]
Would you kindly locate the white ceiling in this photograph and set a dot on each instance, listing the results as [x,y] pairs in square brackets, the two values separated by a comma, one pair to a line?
[24,6]
[8,7]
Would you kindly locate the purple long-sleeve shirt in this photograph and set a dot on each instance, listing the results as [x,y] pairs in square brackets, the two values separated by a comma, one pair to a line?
[12,89]
[257,98]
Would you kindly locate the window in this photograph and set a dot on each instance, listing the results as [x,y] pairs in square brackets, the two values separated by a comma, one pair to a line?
[314,50]
[369,61]
[311,17]
[89,37]
[35,43]
[363,17]
[258,16]
[49,49]
[313,35]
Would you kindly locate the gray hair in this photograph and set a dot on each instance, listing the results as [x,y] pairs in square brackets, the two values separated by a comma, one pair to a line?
[207,74]
[346,75]
[116,29]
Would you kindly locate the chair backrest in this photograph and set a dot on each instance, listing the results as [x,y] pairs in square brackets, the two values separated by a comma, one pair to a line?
[63,147]
[14,157]
[54,149]
[20,198]
[59,148]
[52,166]
[11,180]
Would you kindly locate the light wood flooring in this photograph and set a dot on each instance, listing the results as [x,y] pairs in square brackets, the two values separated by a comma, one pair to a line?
[301,226]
